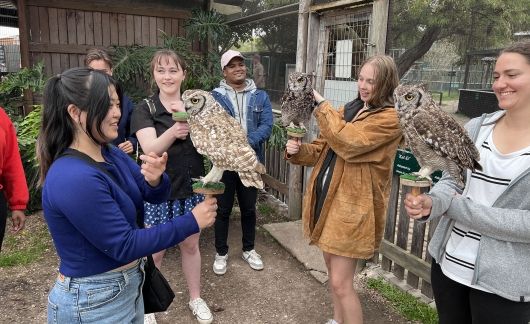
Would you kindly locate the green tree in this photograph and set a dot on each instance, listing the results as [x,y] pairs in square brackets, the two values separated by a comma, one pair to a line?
[470,24]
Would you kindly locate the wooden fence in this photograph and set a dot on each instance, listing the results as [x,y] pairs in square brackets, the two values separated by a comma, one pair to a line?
[277,177]
[60,32]
[403,250]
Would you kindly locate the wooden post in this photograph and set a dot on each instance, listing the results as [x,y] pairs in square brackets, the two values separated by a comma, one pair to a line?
[380,22]
[24,50]
[295,171]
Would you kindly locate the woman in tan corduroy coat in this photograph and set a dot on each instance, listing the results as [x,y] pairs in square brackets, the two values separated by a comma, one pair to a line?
[346,198]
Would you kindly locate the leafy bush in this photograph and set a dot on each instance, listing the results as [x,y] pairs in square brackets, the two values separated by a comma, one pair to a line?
[11,97]
[132,62]
[14,84]
[28,130]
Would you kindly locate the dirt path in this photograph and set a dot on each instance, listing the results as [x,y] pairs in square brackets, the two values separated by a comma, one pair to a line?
[284,292]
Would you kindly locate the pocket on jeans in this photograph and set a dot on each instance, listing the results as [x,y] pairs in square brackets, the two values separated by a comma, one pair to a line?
[52,312]
[102,295]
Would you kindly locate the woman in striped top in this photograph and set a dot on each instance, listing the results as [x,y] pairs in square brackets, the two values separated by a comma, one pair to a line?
[481,247]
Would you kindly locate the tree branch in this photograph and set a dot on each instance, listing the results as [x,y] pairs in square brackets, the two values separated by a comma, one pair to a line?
[405,61]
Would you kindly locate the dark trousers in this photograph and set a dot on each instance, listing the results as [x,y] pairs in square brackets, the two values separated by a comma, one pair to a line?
[246,198]
[3,217]
[460,304]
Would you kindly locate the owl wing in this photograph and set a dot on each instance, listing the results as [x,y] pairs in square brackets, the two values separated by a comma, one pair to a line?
[446,137]
[222,139]
[286,107]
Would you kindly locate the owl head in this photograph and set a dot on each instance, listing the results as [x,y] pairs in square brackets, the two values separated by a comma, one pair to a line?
[408,97]
[299,81]
[196,100]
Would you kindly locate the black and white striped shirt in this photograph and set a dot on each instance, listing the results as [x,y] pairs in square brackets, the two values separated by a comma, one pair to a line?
[485,187]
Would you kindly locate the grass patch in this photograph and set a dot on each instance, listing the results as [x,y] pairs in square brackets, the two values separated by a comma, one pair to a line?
[27,246]
[264,209]
[404,303]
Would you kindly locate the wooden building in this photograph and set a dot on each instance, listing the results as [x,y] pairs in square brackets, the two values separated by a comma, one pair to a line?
[59,32]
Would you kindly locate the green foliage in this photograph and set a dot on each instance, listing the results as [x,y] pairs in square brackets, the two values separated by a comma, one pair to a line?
[406,304]
[133,70]
[208,25]
[28,130]
[14,84]
[264,209]
[278,137]
[26,78]
[474,25]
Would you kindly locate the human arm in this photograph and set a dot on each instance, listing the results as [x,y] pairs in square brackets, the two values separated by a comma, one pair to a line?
[142,123]
[92,210]
[361,140]
[307,154]
[13,179]
[264,129]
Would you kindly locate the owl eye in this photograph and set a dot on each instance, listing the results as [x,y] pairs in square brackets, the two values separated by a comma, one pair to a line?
[300,79]
[409,96]
[194,100]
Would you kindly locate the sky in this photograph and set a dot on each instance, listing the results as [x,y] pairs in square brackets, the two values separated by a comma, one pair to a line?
[8,31]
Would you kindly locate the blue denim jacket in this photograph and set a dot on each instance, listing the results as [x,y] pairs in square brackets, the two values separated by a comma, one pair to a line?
[259,117]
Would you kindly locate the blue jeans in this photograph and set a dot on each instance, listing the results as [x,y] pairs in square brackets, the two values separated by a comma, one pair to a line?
[110,297]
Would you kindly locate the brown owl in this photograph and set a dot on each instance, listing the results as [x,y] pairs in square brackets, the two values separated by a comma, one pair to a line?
[437,140]
[298,101]
[219,136]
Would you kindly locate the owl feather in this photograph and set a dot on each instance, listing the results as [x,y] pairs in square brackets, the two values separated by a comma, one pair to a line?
[297,102]
[218,136]
[437,140]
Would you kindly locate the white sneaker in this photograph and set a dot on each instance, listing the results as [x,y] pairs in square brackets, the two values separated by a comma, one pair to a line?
[219,265]
[332,321]
[149,319]
[253,259]
[201,311]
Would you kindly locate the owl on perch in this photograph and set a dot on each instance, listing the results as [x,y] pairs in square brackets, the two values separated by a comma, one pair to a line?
[218,136]
[437,140]
[298,101]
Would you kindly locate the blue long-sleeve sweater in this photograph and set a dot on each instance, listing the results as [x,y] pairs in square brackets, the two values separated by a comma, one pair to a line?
[92,217]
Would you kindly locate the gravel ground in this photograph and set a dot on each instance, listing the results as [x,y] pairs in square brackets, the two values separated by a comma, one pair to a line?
[284,292]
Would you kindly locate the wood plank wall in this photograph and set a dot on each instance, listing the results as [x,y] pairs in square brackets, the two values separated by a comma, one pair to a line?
[60,32]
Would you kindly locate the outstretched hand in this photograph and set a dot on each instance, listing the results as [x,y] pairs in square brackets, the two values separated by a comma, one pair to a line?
[152,167]
[418,206]
[205,212]
[318,97]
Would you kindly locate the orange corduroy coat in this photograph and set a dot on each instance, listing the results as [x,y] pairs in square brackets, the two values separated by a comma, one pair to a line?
[352,220]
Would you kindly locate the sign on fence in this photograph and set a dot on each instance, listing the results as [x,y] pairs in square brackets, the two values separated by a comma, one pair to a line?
[405,162]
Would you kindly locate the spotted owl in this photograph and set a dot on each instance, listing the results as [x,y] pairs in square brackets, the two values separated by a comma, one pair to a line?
[298,101]
[219,136]
[437,140]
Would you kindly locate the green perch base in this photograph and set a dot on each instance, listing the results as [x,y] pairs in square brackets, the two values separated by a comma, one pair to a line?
[412,177]
[296,131]
[412,180]
[211,188]
[180,116]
